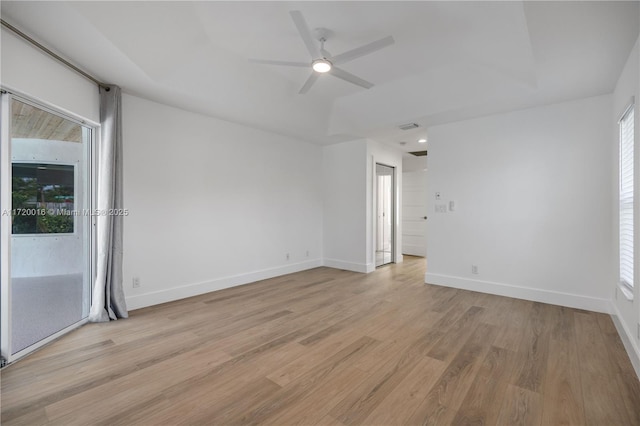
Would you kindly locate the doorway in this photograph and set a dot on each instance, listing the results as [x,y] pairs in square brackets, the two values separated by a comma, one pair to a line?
[385,214]
[45,199]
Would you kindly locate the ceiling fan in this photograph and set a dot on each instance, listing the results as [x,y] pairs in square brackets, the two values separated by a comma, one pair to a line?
[322,61]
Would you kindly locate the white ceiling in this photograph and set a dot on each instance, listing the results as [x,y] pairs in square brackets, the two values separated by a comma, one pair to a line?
[450,61]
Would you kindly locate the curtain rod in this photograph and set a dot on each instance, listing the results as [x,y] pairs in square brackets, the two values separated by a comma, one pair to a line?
[52,54]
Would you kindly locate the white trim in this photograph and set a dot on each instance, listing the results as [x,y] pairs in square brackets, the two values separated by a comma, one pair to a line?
[189,290]
[627,338]
[519,292]
[395,207]
[630,105]
[409,249]
[373,211]
[626,291]
[626,194]
[364,268]
[5,227]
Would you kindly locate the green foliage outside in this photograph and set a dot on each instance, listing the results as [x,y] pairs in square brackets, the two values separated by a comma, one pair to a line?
[25,194]
[55,224]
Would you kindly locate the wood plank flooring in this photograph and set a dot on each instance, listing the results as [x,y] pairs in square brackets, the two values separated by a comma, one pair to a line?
[332,347]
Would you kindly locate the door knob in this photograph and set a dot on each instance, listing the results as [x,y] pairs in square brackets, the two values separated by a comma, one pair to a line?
[424,217]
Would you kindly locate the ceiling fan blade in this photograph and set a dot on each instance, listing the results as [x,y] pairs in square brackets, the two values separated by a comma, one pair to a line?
[286,63]
[346,76]
[305,33]
[307,84]
[362,50]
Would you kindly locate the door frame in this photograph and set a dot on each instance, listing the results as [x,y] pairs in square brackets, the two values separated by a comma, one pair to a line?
[6,95]
[394,210]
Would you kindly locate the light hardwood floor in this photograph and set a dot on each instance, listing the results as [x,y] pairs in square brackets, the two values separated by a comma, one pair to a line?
[333,347]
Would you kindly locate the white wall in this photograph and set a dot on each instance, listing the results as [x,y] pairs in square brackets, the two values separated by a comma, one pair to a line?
[533,204]
[29,71]
[345,202]
[349,203]
[213,204]
[411,163]
[626,312]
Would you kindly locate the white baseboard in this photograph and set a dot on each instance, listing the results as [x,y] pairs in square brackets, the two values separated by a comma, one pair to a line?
[414,250]
[365,268]
[526,293]
[189,290]
[627,338]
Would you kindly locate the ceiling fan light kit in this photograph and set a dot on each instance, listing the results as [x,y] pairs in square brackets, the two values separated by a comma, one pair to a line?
[321,65]
[322,61]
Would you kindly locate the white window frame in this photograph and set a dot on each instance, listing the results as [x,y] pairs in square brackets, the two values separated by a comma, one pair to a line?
[626,199]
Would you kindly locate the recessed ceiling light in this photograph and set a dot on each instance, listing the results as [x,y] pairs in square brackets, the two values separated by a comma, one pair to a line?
[321,65]
[423,140]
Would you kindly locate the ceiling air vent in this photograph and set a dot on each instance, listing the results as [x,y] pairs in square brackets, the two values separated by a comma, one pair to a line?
[419,153]
[408,126]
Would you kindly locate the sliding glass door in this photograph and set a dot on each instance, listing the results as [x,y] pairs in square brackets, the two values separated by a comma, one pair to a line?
[47,224]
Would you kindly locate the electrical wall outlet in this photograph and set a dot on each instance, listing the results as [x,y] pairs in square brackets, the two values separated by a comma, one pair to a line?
[474,269]
[136,282]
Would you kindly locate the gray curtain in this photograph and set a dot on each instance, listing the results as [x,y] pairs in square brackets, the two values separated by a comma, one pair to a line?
[108,295]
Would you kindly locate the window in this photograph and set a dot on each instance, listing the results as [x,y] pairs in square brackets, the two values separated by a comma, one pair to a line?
[42,198]
[626,197]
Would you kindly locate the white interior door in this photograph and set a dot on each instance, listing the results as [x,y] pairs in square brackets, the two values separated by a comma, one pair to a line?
[414,213]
